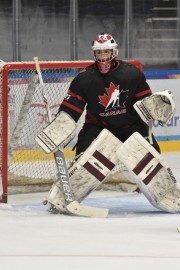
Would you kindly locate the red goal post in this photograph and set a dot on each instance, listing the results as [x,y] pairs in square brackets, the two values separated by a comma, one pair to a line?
[30,169]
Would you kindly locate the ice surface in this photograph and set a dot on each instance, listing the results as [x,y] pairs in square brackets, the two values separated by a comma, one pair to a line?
[134,236]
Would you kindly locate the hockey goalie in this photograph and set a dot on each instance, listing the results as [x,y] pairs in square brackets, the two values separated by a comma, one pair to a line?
[119,109]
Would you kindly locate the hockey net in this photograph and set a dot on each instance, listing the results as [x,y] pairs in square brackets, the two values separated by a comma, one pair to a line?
[24,166]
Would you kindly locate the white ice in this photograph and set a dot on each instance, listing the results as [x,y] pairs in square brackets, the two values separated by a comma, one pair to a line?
[134,236]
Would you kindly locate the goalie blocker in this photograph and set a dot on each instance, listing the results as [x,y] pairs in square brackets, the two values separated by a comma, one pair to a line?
[57,134]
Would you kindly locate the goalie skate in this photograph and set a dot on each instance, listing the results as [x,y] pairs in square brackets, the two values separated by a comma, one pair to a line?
[51,208]
[74,208]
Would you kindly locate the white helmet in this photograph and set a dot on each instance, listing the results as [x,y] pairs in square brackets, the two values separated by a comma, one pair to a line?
[104,42]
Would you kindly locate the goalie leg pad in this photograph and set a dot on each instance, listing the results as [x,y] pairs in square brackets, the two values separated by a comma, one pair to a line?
[151,173]
[90,170]
[57,134]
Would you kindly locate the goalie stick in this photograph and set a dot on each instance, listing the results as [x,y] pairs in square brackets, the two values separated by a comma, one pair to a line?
[72,205]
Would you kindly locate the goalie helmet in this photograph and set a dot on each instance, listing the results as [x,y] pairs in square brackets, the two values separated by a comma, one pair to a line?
[105,49]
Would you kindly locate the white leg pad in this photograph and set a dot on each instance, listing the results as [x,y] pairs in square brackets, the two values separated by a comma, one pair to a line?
[151,173]
[90,170]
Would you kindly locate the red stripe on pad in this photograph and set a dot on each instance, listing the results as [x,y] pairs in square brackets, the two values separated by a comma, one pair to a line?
[91,169]
[148,179]
[142,163]
[106,162]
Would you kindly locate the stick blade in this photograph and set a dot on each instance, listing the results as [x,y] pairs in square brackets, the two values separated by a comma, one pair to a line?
[87,211]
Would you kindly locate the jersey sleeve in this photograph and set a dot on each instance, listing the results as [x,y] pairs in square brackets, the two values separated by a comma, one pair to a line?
[74,102]
[143,89]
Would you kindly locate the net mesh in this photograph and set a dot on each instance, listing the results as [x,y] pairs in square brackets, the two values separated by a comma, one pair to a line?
[30,166]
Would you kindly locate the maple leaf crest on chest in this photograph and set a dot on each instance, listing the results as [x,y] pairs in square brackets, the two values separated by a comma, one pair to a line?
[104,100]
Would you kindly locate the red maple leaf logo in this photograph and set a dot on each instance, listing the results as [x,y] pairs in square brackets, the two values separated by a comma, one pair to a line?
[105,98]
[103,38]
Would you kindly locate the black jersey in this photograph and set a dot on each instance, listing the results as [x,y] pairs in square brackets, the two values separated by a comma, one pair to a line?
[107,98]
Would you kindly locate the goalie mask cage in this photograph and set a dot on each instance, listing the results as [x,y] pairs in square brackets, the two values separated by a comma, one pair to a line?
[27,168]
